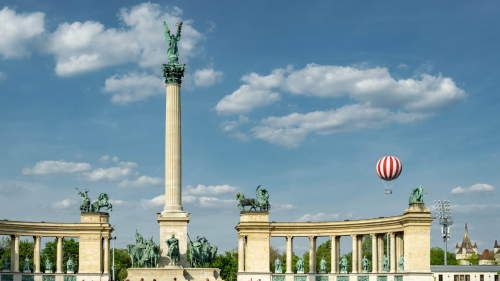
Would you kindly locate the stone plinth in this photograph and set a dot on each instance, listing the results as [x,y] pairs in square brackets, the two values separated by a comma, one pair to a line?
[255,226]
[90,250]
[177,225]
[168,273]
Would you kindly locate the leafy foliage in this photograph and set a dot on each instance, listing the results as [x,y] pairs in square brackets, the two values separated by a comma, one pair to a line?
[437,257]
[473,259]
[228,264]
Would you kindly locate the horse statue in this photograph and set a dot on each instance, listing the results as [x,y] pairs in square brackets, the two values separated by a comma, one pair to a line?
[252,202]
[100,203]
[85,206]
[144,253]
[262,201]
[417,195]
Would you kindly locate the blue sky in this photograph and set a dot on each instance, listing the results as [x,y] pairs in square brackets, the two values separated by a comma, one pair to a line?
[301,99]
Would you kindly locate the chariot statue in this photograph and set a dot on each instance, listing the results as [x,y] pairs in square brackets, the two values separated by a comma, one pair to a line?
[96,206]
[300,265]
[385,264]
[343,265]
[417,195]
[261,202]
[278,268]
[401,263]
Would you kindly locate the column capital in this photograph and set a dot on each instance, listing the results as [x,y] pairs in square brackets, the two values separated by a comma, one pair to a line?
[373,235]
[333,237]
[241,237]
[15,236]
[289,237]
[312,237]
[60,237]
[392,233]
[354,235]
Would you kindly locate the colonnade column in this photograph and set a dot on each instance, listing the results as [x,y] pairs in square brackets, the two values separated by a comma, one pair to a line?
[312,254]
[374,253]
[36,256]
[59,254]
[399,246]
[360,252]
[289,254]
[393,252]
[106,255]
[334,254]
[14,253]
[354,253]
[241,253]
[338,254]
[380,238]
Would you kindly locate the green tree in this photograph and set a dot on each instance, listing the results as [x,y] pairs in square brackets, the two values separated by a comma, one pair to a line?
[228,264]
[437,257]
[49,252]
[26,249]
[472,258]
[4,248]
[122,262]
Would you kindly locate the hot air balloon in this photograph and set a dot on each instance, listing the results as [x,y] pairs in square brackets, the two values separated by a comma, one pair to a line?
[388,168]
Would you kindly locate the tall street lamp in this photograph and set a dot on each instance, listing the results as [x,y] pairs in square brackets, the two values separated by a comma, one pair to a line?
[443,211]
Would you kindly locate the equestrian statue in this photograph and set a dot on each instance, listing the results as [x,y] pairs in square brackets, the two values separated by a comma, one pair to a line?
[96,206]
[262,201]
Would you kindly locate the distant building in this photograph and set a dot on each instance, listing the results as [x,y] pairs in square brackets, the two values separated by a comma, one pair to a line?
[465,273]
[465,249]
[486,258]
[496,253]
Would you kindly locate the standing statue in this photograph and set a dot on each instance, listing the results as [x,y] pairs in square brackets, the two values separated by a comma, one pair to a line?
[385,264]
[401,263]
[417,195]
[173,249]
[48,266]
[343,265]
[322,265]
[262,201]
[5,264]
[85,206]
[173,51]
[278,268]
[69,266]
[300,266]
[366,264]
[26,267]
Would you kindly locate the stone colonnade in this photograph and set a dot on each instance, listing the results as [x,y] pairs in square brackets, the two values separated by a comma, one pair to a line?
[93,232]
[255,231]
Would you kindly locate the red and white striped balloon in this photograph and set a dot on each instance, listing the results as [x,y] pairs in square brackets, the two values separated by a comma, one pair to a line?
[389,168]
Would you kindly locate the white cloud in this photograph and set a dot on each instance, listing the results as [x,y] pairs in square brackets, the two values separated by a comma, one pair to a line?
[115,159]
[133,87]
[121,203]
[403,66]
[202,190]
[291,130]
[142,181]
[19,32]
[159,201]
[241,136]
[477,188]
[113,173]
[282,207]
[104,159]
[56,167]
[319,217]
[128,164]
[212,202]
[82,47]
[350,215]
[474,208]
[229,125]
[374,87]
[65,204]
[207,77]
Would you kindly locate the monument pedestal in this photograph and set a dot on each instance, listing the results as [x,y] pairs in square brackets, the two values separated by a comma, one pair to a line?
[175,223]
[170,272]
[5,270]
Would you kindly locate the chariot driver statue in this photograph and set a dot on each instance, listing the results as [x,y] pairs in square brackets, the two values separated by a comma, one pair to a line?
[173,51]
[173,249]
[85,207]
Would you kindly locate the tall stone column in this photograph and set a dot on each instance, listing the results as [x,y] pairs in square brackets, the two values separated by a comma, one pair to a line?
[312,254]
[241,253]
[360,252]
[393,252]
[338,254]
[59,262]
[334,254]
[381,247]
[173,220]
[374,253]
[106,255]
[14,253]
[289,254]
[354,253]
[36,254]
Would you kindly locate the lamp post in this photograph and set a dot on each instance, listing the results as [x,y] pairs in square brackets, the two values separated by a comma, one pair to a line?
[113,238]
[443,211]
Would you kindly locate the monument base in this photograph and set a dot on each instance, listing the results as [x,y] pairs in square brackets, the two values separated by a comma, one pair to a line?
[300,272]
[71,272]
[5,270]
[344,272]
[170,272]
[48,271]
[27,271]
[175,223]
[322,272]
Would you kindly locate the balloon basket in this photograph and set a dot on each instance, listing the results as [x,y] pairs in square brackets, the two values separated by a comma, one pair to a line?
[388,191]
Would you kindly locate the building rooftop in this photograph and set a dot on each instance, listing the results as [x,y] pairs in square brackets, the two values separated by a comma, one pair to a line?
[465,268]
[486,255]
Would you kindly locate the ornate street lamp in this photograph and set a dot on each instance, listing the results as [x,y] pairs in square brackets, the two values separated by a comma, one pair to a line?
[443,211]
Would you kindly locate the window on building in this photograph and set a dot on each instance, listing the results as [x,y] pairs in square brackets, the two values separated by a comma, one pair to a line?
[467,277]
[440,277]
[455,278]
[462,278]
[481,277]
[496,277]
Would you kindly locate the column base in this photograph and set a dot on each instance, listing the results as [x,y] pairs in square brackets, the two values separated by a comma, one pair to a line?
[173,223]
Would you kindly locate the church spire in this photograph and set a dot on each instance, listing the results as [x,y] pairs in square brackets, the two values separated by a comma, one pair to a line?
[466,230]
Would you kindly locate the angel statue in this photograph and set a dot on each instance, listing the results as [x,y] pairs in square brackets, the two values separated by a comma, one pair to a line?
[173,51]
